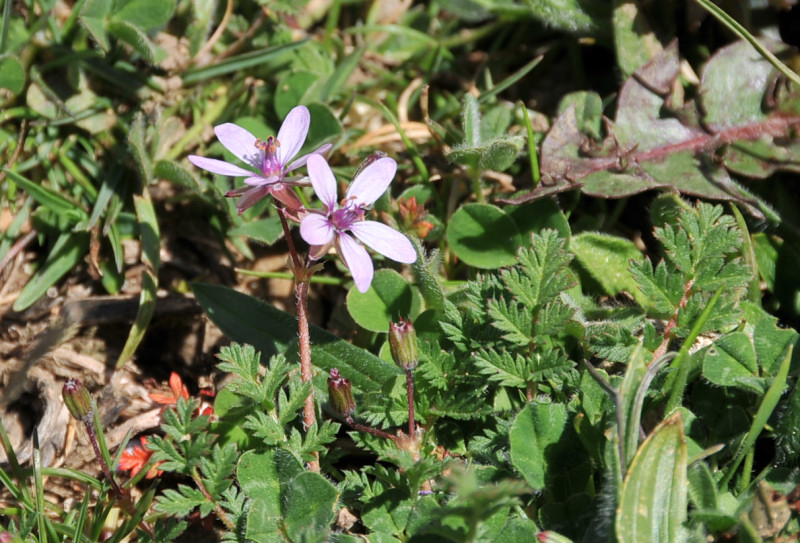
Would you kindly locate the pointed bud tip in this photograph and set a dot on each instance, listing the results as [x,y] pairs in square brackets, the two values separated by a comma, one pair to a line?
[340,394]
[77,399]
[403,344]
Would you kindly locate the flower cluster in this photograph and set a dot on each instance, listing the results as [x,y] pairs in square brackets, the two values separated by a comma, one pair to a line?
[341,226]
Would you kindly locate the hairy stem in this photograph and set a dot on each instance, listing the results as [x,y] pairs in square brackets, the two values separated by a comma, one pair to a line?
[369,429]
[412,424]
[673,322]
[309,410]
[121,497]
[103,466]
[217,507]
[302,276]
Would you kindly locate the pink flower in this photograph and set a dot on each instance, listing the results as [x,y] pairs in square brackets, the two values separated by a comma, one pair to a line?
[337,225]
[270,158]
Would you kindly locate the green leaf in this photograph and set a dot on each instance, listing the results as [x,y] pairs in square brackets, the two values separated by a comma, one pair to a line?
[607,260]
[542,275]
[64,256]
[309,503]
[93,17]
[771,342]
[471,121]
[539,215]
[631,416]
[138,148]
[138,39]
[297,87]
[147,305]
[242,62]
[248,320]
[388,299]
[343,71]
[588,107]
[325,125]
[634,40]
[267,230]
[483,236]
[768,404]
[167,169]
[145,14]
[654,493]
[258,477]
[731,361]
[651,144]
[702,487]
[12,75]
[149,231]
[536,428]
[576,16]
[733,83]
[49,198]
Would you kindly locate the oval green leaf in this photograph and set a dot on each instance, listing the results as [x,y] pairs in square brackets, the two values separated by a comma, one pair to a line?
[537,427]
[389,298]
[483,236]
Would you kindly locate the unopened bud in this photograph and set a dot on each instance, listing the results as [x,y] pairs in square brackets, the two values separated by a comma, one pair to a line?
[78,400]
[403,343]
[340,394]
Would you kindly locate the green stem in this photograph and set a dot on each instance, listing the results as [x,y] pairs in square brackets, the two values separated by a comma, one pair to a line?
[742,32]
[476,186]
[320,280]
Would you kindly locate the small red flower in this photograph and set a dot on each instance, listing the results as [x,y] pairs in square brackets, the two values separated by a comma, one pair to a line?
[179,390]
[135,457]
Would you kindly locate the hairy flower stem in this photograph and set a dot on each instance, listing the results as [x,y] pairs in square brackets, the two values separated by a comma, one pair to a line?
[412,424]
[302,275]
[217,508]
[673,322]
[368,429]
[89,424]
[122,498]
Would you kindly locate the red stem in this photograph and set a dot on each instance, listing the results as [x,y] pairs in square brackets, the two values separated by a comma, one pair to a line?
[412,424]
[673,322]
[369,429]
[302,276]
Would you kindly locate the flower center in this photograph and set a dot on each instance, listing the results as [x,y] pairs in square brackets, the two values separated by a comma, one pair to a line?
[270,165]
[344,217]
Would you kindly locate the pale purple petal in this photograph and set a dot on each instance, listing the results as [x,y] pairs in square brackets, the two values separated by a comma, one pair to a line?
[316,229]
[385,240]
[372,181]
[322,180]
[257,180]
[357,260]
[293,133]
[315,252]
[218,166]
[300,162]
[240,142]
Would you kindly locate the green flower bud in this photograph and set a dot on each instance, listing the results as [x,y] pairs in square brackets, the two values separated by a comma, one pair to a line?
[403,343]
[340,394]
[78,400]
